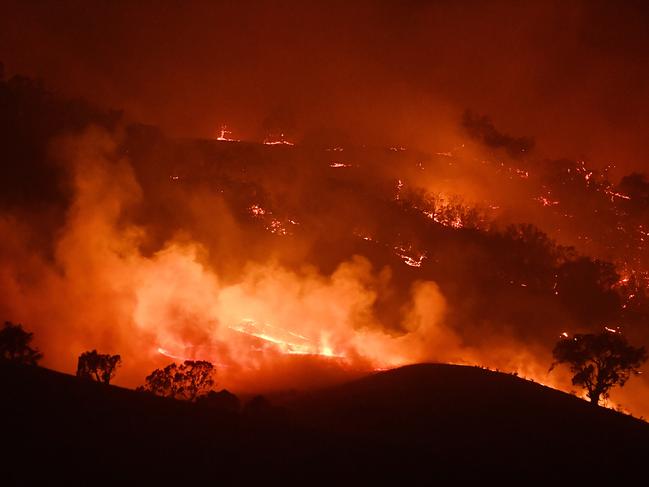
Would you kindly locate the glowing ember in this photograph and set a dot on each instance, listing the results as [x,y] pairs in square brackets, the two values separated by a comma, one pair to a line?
[257,210]
[273,225]
[399,188]
[281,140]
[224,135]
[546,201]
[615,194]
[408,259]
[277,227]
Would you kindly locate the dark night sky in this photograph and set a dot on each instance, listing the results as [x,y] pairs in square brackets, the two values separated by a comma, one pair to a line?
[572,74]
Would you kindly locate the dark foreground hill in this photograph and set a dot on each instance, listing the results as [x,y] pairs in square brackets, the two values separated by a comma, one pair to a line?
[422,422]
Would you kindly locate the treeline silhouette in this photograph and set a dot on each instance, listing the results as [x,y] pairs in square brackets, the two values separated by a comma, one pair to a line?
[598,362]
[191,381]
[421,422]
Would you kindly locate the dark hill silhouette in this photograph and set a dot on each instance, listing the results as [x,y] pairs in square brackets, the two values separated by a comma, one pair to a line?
[491,420]
[418,422]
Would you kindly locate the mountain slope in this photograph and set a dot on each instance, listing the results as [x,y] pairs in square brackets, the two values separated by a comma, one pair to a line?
[414,423]
[478,418]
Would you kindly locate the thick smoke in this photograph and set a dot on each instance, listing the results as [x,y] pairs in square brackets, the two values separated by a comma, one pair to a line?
[155,247]
[482,129]
[102,291]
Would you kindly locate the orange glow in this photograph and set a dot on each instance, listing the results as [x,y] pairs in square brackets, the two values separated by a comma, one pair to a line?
[286,341]
[408,258]
[268,323]
[224,135]
[279,140]
[367,221]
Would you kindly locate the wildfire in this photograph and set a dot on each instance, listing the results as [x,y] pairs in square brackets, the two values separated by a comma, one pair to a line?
[285,341]
[408,259]
[444,219]
[546,201]
[327,316]
[615,194]
[257,210]
[273,225]
[224,135]
[280,140]
[398,189]
[167,353]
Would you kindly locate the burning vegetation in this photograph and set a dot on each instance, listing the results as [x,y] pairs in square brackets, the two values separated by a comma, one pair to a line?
[285,268]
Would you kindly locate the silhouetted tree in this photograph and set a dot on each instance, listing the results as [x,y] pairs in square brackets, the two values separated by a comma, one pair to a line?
[599,362]
[223,401]
[98,366]
[188,381]
[14,345]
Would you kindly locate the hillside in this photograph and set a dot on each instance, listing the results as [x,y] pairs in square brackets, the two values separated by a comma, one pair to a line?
[277,228]
[472,418]
[118,230]
[416,422]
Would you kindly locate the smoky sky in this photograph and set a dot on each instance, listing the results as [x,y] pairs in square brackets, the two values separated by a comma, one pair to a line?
[571,74]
